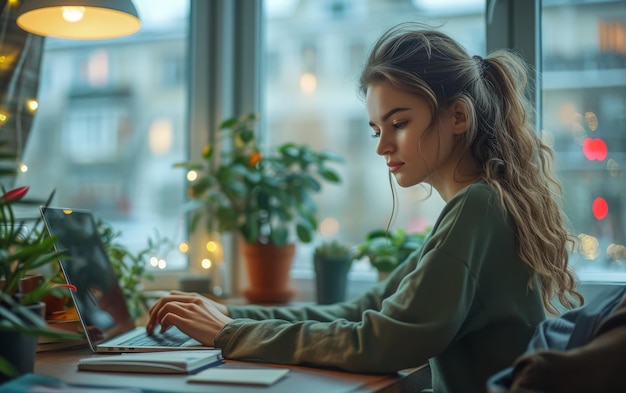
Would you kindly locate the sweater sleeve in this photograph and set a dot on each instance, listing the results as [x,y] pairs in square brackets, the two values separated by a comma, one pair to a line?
[414,323]
[351,310]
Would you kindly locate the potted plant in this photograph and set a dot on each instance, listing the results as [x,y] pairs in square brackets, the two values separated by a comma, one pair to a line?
[387,249]
[131,267]
[332,260]
[24,247]
[264,196]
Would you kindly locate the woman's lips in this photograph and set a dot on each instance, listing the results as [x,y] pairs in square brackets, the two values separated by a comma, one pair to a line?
[394,166]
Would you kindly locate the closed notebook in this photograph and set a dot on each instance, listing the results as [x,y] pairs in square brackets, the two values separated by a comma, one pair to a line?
[240,376]
[170,362]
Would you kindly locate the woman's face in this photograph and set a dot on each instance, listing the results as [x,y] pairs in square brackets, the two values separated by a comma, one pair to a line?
[413,151]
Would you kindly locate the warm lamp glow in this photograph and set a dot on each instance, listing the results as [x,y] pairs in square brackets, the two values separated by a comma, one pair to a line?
[73,14]
[79,19]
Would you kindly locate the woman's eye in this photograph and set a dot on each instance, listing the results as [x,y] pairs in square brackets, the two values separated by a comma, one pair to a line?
[399,125]
[375,134]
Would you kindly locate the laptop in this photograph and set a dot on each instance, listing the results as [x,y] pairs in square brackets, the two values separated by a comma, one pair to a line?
[98,299]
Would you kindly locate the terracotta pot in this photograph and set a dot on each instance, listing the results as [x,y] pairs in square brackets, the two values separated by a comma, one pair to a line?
[269,270]
[54,304]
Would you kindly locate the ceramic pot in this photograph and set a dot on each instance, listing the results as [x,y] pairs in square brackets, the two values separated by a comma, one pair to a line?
[331,279]
[20,349]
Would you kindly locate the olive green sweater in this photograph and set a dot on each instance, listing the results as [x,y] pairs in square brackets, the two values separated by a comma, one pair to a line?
[462,303]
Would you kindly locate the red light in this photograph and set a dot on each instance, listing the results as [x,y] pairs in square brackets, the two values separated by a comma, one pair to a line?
[595,149]
[600,208]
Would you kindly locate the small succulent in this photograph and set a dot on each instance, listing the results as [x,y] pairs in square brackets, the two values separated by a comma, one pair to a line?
[333,249]
[388,249]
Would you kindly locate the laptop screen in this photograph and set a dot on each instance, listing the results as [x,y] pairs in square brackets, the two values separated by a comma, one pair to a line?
[99,299]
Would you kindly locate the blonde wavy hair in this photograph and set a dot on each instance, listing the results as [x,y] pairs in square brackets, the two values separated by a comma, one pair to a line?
[501,137]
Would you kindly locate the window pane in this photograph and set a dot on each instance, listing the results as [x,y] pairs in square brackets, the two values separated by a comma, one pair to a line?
[584,102]
[111,122]
[314,53]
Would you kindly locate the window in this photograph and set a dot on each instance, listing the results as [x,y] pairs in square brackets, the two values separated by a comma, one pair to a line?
[584,106]
[111,122]
[320,47]
[113,115]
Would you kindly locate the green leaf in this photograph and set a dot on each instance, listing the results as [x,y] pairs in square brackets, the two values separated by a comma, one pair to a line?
[188,165]
[331,156]
[305,232]
[279,236]
[7,368]
[330,175]
[384,263]
[228,123]
[377,233]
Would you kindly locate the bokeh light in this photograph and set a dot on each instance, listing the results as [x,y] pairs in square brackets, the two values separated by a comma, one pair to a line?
[600,208]
[589,246]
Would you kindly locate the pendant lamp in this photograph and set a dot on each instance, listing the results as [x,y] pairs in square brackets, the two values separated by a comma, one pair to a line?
[79,19]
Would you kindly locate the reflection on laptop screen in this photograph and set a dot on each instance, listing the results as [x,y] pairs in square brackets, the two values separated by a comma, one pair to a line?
[98,297]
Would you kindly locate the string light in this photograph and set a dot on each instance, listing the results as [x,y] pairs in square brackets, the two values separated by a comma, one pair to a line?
[32,105]
[183,247]
[212,246]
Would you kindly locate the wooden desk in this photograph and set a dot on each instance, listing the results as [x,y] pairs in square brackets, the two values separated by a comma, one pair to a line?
[62,364]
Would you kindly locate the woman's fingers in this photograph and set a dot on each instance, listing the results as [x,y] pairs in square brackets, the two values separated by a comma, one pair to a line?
[175,310]
[153,311]
[198,322]
[156,311]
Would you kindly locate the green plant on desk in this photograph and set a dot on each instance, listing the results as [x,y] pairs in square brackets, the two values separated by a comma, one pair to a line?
[332,261]
[24,247]
[131,268]
[387,249]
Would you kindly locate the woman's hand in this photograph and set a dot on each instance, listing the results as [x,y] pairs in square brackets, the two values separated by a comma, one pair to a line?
[196,315]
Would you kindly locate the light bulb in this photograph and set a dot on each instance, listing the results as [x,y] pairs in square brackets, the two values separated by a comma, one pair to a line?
[73,14]
[32,105]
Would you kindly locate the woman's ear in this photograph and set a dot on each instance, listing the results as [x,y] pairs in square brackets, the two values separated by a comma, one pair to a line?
[460,117]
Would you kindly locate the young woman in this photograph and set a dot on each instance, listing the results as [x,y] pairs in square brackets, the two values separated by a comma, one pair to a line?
[469,300]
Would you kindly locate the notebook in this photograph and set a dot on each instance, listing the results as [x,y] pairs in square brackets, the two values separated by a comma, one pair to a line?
[98,299]
[175,362]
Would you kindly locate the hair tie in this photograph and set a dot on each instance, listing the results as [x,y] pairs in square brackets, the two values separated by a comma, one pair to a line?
[482,62]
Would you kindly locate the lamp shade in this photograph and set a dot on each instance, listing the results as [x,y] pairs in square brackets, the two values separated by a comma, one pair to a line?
[79,19]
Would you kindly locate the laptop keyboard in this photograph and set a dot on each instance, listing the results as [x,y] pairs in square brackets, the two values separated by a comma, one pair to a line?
[171,338]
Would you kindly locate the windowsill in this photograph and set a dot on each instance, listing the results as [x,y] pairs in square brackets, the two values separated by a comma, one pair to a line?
[601,277]
[302,280]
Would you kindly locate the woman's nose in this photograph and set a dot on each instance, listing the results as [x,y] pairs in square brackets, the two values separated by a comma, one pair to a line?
[384,145]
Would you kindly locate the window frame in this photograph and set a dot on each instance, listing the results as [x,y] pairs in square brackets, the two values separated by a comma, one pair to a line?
[226,77]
